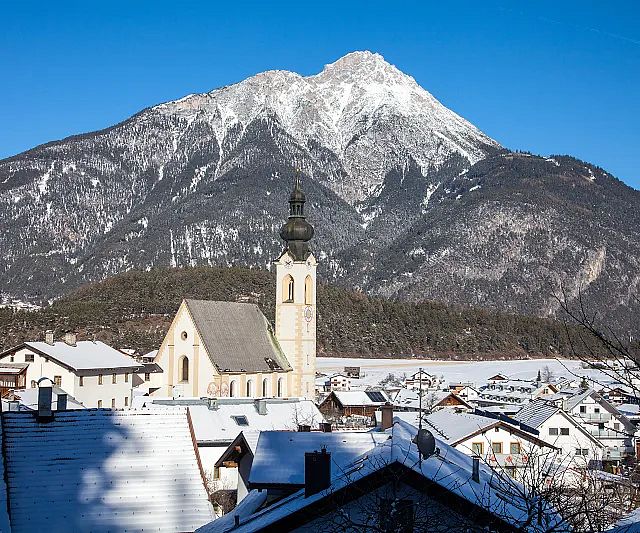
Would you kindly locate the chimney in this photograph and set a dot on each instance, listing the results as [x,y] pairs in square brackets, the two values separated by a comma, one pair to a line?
[387,416]
[303,428]
[317,472]
[70,338]
[62,401]
[325,427]
[48,337]
[44,401]
[475,474]
[261,406]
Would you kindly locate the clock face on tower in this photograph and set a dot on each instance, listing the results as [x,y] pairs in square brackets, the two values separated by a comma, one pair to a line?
[308,313]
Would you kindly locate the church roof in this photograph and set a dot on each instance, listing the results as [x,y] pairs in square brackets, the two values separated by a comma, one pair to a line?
[237,337]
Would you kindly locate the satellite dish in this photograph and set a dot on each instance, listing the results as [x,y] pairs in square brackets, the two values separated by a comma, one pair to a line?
[426,443]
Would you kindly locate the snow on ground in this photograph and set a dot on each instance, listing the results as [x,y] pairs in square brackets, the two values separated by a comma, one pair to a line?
[453,371]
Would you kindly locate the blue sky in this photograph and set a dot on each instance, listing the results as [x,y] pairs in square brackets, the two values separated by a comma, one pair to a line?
[545,76]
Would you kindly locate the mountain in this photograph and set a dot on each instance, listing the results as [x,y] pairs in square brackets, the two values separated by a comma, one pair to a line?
[134,310]
[408,199]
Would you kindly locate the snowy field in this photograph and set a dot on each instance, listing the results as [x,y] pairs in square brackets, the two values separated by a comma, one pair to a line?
[454,371]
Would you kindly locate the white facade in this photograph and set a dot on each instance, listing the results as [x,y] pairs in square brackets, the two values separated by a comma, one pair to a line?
[575,443]
[93,388]
[296,319]
[189,372]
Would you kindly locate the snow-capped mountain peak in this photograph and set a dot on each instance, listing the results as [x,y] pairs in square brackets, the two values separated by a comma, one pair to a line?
[366,111]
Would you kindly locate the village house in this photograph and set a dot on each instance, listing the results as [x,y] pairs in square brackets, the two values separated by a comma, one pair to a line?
[228,349]
[503,391]
[100,470]
[349,404]
[92,372]
[333,482]
[409,400]
[560,429]
[217,422]
[339,382]
[506,446]
[12,376]
[466,391]
[424,380]
[601,419]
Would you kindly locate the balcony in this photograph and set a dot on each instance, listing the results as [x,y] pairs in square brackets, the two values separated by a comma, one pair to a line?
[594,417]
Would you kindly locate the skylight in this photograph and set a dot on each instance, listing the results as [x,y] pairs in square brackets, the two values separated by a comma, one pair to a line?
[241,420]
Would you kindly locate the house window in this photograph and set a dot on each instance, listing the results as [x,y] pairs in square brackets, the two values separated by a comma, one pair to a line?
[249,388]
[126,401]
[616,426]
[81,381]
[99,404]
[114,378]
[397,515]
[126,378]
[496,447]
[99,379]
[514,448]
[147,376]
[596,410]
[216,472]
[113,403]
[583,408]
[280,387]
[12,358]
[308,290]
[33,384]
[287,289]
[232,388]
[564,431]
[553,431]
[265,388]
[477,448]
[184,369]
[28,358]
[57,380]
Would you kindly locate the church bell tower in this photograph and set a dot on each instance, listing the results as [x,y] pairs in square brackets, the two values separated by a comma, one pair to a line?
[296,298]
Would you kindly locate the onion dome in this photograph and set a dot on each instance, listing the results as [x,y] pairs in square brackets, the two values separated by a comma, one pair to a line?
[296,232]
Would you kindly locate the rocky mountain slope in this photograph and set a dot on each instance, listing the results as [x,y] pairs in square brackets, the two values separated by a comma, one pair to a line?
[408,199]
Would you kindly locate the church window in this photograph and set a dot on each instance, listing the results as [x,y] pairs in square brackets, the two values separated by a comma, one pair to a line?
[184,335]
[308,290]
[287,289]
[184,369]
[232,389]
[249,388]
[265,388]
[280,387]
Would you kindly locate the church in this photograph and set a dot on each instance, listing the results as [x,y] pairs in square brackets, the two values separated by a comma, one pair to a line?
[228,349]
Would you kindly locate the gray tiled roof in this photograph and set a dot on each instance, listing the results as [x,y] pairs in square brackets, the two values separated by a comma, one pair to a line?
[536,413]
[237,337]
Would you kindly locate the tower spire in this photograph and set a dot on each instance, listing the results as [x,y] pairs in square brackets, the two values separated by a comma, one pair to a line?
[296,232]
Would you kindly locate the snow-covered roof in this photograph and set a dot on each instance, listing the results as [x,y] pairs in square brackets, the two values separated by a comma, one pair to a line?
[221,421]
[536,413]
[28,399]
[279,456]
[85,355]
[450,469]
[627,524]
[104,470]
[12,368]
[359,397]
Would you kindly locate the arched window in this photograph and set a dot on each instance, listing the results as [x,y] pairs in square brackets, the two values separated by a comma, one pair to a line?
[265,388]
[280,387]
[232,389]
[308,290]
[249,388]
[287,289]
[184,369]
